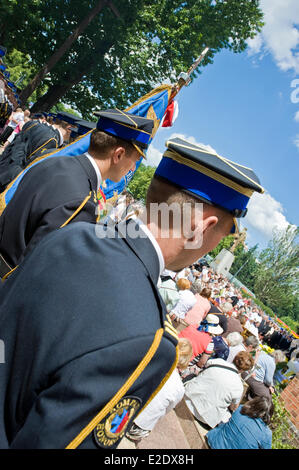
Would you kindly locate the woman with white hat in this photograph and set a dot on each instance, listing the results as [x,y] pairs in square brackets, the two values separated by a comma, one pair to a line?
[202,342]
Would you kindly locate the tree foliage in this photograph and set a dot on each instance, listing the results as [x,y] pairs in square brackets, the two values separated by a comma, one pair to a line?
[117,59]
[273,274]
[282,435]
[225,243]
[277,277]
[140,182]
[21,68]
[245,265]
[292,324]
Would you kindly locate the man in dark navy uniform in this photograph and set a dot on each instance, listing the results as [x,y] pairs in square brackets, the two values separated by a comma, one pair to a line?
[35,138]
[88,341]
[64,190]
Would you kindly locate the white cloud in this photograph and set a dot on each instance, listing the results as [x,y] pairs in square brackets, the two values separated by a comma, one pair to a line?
[296,141]
[255,44]
[266,214]
[193,140]
[154,155]
[280,35]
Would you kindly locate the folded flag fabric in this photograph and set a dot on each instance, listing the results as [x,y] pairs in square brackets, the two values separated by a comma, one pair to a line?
[171,114]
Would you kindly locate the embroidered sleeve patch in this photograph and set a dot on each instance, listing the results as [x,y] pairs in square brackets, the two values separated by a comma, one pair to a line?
[113,427]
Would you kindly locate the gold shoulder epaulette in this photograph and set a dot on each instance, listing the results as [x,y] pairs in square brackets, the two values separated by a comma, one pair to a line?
[170,328]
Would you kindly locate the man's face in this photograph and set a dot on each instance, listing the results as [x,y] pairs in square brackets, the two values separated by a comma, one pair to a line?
[68,131]
[127,162]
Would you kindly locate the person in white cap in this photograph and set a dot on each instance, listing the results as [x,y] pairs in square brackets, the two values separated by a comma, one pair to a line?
[202,343]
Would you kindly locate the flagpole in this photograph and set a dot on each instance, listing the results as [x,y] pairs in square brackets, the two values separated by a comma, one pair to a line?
[184,77]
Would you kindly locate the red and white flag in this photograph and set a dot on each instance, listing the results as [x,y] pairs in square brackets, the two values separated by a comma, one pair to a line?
[171,114]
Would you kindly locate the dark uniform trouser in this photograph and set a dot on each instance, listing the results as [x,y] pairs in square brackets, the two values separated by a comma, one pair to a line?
[5,134]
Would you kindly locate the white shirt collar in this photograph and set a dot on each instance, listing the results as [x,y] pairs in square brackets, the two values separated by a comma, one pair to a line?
[96,168]
[154,242]
[60,135]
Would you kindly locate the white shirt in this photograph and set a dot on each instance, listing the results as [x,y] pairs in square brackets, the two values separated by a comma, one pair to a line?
[154,242]
[233,351]
[61,140]
[209,395]
[17,117]
[293,366]
[253,329]
[96,168]
[184,273]
[258,318]
[205,274]
[166,399]
[151,237]
[186,302]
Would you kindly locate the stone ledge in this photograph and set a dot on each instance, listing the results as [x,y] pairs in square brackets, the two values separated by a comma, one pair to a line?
[193,431]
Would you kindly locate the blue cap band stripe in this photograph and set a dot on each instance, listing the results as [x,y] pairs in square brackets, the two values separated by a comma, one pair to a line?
[201,185]
[123,132]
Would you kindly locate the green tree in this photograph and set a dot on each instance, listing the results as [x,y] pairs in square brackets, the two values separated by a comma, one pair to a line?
[140,182]
[292,324]
[225,243]
[20,67]
[59,53]
[21,20]
[61,107]
[282,435]
[277,277]
[245,265]
[117,59]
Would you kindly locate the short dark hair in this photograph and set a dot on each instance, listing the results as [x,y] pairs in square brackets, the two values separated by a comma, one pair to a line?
[101,143]
[243,361]
[259,407]
[61,123]
[206,292]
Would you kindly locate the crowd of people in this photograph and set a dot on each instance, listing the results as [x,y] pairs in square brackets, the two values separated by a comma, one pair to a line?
[25,137]
[8,102]
[229,379]
[222,373]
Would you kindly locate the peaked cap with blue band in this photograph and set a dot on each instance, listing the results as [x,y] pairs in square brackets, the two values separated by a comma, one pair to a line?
[85,126]
[82,127]
[211,178]
[67,117]
[127,126]
[2,51]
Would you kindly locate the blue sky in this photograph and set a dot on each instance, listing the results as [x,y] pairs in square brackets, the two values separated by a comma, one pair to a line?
[242,106]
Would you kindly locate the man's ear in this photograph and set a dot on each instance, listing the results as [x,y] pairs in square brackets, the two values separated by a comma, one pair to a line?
[199,228]
[209,222]
[117,154]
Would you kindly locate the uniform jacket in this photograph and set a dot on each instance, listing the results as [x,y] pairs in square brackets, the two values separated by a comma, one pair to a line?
[48,194]
[34,139]
[87,341]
